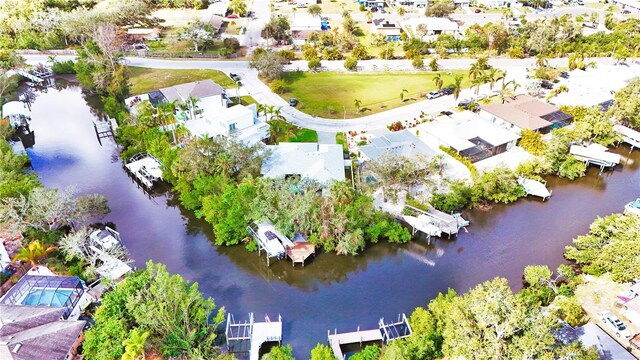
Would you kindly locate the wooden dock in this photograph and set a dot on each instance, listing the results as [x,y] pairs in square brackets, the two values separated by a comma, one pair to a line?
[356,337]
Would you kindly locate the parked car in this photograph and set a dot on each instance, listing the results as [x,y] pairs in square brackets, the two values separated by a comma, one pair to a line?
[447,90]
[293,101]
[477,11]
[435,94]
[546,85]
[564,74]
[446,112]
[234,77]
[616,325]
[626,12]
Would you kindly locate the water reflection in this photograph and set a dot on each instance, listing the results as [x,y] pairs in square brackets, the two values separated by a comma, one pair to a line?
[330,291]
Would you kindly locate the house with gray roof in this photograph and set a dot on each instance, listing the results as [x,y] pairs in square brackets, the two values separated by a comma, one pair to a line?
[37,332]
[323,163]
[591,335]
[400,143]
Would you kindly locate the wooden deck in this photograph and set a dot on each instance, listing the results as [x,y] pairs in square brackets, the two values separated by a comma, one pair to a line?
[300,251]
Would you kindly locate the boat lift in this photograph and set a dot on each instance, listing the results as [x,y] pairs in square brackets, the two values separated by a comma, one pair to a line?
[276,245]
[535,188]
[146,168]
[434,222]
[595,154]
[629,136]
[248,336]
[386,332]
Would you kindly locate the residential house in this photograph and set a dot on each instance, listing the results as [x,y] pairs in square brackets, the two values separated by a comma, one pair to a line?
[390,30]
[302,22]
[591,335]
[434,26]
[497,4]
[399,143]
[525,112]
[462,3]
[238,122]
[37,332]
[470,135]
[323,163]
[219,8]
[372,3]
[299,37]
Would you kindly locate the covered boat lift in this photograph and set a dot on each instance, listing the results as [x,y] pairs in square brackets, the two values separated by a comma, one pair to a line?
[386,332]
[277,245]
[16,113]
[146,168]
[629,136]
[433,221]
[248,336]
[535,188]
[595,154]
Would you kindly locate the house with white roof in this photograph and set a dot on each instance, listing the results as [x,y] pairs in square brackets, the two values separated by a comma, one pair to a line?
[399,143]
[471,136]
[497,4]
[323,163]
[219,8]
[632,6]
[238,122]
[303,22]
[434,26]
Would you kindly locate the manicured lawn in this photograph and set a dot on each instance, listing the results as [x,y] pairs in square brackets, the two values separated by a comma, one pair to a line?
[286,132]
[144,80]
[332,94]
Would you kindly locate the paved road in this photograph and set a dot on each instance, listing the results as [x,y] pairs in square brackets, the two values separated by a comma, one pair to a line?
[262,93]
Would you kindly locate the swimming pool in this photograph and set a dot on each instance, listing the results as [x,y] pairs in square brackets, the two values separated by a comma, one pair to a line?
[47,297]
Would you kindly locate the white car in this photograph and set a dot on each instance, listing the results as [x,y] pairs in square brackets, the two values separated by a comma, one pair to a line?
[616,325]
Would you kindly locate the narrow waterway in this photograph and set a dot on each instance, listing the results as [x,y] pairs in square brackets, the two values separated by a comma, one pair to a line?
[331,291]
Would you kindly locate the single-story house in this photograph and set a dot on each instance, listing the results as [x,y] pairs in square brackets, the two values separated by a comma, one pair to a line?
[28,332]
[462,3]
[372,3]
[399,143]
[299,37]
[302,22]
[204,90]
[323,163]
[434,26]
[142,34]
[413,3]
[470,135]
[497,4]
[238,122]
[632,6]
[525,112]
[591,335]
[390,30]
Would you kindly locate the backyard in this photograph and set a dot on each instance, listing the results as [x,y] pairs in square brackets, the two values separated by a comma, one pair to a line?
[333,95]
[144,80]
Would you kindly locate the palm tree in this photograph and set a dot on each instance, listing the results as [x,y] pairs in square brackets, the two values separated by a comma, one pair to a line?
[457,86]
[239,7]
[507,14]
[477,82]
[541,60]
[34,253]
[505,92]
[474,71]
[134,345]
[401,11]
[270,109]
[493,76]
[277,113]
[224,164]
[369,15]
[357,103]
[280,130]
[404,91]
[438,80]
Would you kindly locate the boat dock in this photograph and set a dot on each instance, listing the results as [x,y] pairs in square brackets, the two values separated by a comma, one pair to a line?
[633,207]
[629,136]
[535,188]
[277,245]
[433,221]
[103,128]
[39,76]
[595,154]
[386,332]
[146,168]
[248,336]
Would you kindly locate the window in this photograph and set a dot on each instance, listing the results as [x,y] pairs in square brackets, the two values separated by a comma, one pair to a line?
[232,126]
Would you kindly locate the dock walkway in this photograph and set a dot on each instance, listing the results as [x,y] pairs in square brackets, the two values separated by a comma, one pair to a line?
[629,136]
[364,336]
[252,334]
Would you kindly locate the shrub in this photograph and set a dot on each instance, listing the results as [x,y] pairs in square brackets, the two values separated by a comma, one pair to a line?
[63,67]
[231,43]
[466,162]
[351,64]
[418,63]
[571,311]
[532,142]
[362,7]
[314,64]
[279,86]
[289,55]
[460,196]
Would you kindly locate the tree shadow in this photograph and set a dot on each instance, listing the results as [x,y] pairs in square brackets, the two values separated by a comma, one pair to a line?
[363,109]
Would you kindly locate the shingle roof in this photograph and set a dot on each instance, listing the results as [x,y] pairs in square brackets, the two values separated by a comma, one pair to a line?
[522,111]
[36,332]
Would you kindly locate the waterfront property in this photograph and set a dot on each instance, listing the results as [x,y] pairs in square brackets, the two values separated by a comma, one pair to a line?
[277,245]
[55,291]
[434,222]
[386,332]
[525,112]
[535,188]
[323,163]
[471,136]
[629,136]
[28,332]
[249,336]
[238,122]
[99,244]
[16,114]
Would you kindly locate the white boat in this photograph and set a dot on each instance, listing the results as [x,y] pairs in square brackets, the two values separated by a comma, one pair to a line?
[17,113]
[145,168]
[633,207]
[424,224]
[269,239]
[535,188]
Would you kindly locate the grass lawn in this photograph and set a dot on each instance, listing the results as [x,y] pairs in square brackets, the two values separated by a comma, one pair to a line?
[341,138]
[286,132]
[332,94]
[144,80]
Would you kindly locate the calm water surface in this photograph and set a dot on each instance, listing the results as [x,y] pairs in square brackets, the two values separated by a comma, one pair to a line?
[331,291]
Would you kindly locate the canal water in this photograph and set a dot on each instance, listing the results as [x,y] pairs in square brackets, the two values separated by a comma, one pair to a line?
[330,292]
